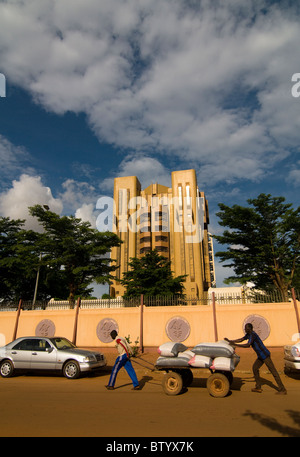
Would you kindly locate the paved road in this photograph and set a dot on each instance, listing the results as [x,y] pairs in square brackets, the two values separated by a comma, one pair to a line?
[52,406]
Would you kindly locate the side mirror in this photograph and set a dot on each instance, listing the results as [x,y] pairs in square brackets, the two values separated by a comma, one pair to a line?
[49,350]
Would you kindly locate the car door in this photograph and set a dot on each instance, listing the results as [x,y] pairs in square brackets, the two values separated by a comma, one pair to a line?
[21,354]
[43,355]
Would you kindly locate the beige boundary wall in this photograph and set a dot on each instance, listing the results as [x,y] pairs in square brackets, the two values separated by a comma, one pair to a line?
[156,325]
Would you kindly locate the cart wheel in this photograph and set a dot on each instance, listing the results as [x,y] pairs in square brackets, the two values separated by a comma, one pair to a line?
[187,377]
[172,383]
[228,375]
[218,385]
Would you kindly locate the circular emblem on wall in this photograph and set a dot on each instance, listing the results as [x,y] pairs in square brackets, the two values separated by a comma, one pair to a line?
[178,329]
[104,328]
[45,328]
[260,325]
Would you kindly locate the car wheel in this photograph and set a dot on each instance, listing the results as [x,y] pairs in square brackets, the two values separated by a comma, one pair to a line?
[6,369]
[71,369]
[287,370]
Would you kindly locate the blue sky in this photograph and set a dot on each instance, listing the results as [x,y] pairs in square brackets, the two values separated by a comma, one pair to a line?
[99,89]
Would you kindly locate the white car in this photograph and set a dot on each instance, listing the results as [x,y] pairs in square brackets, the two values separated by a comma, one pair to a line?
[292,357]
[49,354]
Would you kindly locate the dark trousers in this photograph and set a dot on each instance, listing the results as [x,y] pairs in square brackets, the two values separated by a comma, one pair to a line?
[256,366]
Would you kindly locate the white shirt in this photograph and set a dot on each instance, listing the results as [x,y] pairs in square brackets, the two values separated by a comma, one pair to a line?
[122,346]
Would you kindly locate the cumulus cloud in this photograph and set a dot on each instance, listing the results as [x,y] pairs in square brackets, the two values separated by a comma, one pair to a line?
[148,170]
[205,83]
[77,198]
[294,175]
[75,194]
[25,192]
[87,213]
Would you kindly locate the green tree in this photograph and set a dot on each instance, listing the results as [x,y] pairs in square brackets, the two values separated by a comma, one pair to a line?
[19,260]
[262,243]
[9,239]
[75,254]
[151,275]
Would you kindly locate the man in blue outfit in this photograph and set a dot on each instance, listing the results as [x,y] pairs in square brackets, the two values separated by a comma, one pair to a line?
[123,360]
[263,356]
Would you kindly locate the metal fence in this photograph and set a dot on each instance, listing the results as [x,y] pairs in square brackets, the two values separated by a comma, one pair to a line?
[150,301]
[8,306]
[111,303]
[174,300]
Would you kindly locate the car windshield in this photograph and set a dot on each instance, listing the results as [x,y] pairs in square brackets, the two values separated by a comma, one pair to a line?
[62,343]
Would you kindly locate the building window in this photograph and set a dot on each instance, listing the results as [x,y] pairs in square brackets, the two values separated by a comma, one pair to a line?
[161,248]
[147,228]
[145,239]
[145,249]
[161,238]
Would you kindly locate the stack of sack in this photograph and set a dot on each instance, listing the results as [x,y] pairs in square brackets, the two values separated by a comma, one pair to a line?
[174,354]
[215,356]
[218,356]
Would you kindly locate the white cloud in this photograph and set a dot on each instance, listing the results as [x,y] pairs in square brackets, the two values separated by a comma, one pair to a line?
[75,194]
[148,170]
[87,214]
[294,176]
[77,198]
[25,192]
[171,77]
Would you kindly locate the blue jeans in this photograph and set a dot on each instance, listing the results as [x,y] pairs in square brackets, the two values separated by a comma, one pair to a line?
[123,361]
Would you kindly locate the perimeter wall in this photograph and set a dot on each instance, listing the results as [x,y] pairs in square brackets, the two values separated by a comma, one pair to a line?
[277,323]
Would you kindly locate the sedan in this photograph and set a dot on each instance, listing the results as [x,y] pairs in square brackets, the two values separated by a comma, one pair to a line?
[292,357]
[52,354]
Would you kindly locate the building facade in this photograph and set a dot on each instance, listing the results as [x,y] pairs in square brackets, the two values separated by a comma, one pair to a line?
[173,220]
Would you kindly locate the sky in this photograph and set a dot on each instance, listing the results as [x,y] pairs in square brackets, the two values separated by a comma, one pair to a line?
[96,89]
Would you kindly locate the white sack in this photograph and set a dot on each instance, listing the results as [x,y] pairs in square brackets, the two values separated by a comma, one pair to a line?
[236,359]
[172,362]
[171,349]
[200,361]
[217,349]
[186,354]
[223,363]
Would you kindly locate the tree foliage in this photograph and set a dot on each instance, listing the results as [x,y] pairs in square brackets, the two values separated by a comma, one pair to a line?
[68,253]
[262,242]
[18,259]
[74,251]
[151,275]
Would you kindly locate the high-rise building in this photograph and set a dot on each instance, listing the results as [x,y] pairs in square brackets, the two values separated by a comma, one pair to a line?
[173,220]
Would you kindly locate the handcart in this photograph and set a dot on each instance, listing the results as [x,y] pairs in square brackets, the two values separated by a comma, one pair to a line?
[179,377]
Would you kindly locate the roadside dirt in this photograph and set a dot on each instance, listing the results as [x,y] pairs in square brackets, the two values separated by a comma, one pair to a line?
[52,406]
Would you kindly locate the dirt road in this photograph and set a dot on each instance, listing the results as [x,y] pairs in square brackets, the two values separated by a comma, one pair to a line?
[52,406]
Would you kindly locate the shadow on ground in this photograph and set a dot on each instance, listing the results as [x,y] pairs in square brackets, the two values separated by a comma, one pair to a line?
[273,424]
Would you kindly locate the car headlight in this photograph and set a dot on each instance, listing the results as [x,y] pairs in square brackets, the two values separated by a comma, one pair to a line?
[295,351]
[89,358]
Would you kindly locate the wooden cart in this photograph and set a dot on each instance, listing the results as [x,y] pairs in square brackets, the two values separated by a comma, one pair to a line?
[178,378]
